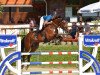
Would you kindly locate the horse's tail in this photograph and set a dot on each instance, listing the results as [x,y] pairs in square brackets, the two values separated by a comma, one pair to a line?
[22,44]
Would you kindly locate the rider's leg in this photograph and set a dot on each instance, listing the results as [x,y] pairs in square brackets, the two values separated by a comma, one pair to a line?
[40,26]
[37,32]
[41,23]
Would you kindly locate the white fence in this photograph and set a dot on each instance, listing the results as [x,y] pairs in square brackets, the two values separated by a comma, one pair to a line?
[16,29]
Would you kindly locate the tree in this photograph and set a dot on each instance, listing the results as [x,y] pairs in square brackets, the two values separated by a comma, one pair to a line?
[1,9]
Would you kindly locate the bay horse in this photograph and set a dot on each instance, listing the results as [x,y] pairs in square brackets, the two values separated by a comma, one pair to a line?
[30,42]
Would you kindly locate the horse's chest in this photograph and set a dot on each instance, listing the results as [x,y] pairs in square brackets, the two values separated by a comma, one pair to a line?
[52,31]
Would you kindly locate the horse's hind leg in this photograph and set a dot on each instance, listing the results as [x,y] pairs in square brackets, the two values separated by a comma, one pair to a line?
[24,58]
[27,57]
[23,50]
[33,49]
[28,60]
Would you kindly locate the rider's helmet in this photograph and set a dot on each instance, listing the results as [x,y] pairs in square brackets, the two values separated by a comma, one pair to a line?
[54,14]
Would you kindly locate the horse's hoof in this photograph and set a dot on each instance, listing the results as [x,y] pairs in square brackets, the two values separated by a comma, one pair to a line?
[22,66]
[27,67]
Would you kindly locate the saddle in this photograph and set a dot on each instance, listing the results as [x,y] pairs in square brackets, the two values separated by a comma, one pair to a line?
[43,34]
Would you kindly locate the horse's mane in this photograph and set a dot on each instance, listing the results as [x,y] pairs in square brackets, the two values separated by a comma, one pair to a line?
[50,24]
[56,18]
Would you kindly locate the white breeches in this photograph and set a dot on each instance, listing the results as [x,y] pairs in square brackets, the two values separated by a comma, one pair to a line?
[41,23]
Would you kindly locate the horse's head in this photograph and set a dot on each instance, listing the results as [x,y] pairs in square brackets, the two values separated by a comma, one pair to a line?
[59,22]
[64,25]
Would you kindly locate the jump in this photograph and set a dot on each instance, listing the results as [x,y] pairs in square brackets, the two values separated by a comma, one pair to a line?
[30,43]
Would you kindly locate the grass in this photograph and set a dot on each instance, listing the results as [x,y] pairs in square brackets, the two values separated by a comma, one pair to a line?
[57,58]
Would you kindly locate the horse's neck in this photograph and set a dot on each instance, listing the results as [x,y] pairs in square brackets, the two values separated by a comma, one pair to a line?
[49,27]
[55,24]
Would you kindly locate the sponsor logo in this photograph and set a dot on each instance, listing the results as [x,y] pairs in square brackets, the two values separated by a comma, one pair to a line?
[8,40]
[91,40]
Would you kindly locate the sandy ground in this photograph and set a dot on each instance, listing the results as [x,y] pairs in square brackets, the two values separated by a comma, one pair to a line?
[38,68]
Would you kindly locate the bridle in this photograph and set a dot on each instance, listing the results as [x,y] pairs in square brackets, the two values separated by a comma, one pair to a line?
[57,25]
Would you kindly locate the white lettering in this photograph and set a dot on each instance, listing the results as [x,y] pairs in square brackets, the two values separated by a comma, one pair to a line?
[92,40]
[7,41]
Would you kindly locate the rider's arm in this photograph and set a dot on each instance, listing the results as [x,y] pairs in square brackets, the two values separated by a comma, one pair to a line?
[46,22]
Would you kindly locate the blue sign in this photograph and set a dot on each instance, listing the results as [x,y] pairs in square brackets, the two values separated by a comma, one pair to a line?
[8,40]
[91,40]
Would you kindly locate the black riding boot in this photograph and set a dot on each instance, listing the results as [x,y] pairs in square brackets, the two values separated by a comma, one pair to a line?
[36,33]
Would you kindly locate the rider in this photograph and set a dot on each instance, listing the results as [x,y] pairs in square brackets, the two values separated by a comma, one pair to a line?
[45,20]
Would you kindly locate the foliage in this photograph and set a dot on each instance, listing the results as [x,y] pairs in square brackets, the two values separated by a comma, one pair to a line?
[57,58]
[1,9]
[95,28]
[23,33]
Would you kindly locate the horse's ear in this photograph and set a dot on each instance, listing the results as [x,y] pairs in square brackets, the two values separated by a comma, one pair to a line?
[59,16]
[56,17]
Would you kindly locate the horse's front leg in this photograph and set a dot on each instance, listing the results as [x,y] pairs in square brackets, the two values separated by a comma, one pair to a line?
[24,59]
[28,57]
[33,48]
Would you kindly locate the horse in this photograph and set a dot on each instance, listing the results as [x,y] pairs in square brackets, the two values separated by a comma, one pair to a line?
[30,42]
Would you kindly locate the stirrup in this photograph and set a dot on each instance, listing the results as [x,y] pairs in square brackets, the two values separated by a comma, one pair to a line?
[36,35]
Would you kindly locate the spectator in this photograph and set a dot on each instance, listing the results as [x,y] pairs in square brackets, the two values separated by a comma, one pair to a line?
[97,18]
[12,20]
[67,18]
[20,21]
[80,27]
[27,21]
[87,28]
[74,30]
[89,19]
[79,18]
[32,23]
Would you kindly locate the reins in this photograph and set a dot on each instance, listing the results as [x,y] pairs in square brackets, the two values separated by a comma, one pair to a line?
[57,25]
